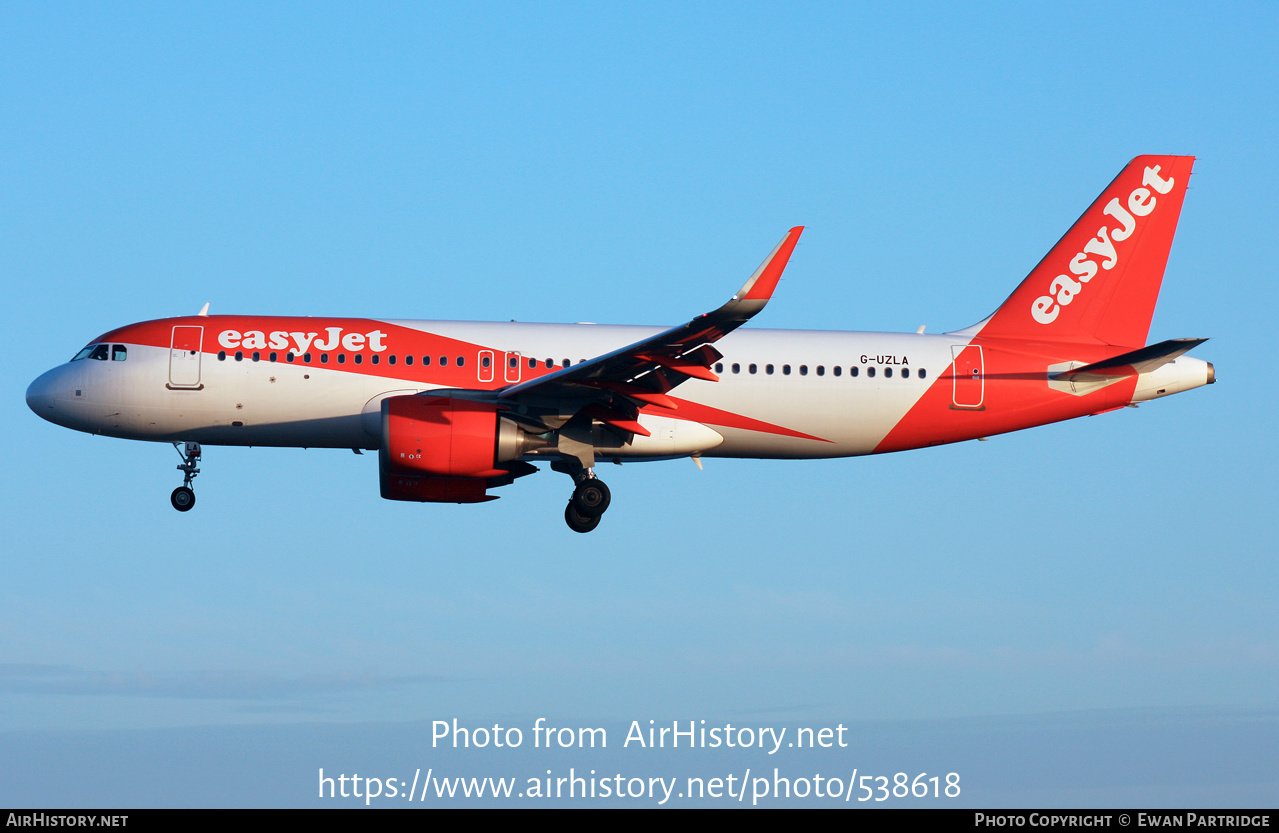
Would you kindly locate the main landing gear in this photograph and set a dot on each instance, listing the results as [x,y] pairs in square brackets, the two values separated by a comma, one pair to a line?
[183,497]
[586,506]
[590,497]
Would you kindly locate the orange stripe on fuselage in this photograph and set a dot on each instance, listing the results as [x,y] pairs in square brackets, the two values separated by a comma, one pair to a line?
[1016,396]
[697,412]
[397,341]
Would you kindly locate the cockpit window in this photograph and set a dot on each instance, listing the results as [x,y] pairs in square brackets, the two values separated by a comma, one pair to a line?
[103,352]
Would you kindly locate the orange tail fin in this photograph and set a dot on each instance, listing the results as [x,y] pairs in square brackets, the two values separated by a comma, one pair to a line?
[1100,282]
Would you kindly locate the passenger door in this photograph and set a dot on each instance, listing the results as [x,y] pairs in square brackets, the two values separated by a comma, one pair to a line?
[184,357]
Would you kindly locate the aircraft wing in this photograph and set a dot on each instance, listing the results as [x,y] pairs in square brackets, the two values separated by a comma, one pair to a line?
[612,387]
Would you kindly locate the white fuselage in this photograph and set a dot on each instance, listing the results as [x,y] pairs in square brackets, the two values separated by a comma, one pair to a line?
[802,382]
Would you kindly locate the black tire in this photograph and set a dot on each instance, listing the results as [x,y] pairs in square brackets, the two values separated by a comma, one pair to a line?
[578,522]
[182,499]
[591,498]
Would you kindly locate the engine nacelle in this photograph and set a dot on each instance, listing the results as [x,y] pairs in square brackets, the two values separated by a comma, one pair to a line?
[435,489]
[441,449]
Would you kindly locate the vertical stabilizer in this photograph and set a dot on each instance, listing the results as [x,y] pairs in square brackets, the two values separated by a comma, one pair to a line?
[1100,282]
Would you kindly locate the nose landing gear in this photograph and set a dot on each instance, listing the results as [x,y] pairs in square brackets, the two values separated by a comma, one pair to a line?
[183,497]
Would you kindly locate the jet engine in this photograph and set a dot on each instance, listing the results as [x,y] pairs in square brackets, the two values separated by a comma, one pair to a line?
[441,449]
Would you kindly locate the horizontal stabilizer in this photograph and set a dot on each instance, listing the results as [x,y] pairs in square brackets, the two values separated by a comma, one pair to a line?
[1138,361]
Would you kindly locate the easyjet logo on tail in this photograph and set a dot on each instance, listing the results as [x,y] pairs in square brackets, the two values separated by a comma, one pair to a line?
[1064,288]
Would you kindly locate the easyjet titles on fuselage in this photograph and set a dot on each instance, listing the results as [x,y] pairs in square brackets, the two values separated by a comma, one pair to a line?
[279,340]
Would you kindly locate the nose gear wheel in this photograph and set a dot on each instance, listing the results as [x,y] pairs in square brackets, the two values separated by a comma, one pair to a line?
[183,497]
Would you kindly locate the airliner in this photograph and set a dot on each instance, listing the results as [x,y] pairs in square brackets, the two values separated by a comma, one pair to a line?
[456,409]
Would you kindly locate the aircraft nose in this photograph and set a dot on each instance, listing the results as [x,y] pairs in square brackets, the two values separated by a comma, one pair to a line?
[40,397]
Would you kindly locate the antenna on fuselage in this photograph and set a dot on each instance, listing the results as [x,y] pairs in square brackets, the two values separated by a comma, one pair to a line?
[204,310]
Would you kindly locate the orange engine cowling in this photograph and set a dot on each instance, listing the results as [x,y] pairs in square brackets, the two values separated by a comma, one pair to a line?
[445,450]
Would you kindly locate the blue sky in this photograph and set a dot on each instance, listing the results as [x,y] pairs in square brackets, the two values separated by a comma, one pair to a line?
[585,162]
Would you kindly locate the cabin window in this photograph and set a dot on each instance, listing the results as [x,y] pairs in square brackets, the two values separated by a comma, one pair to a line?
[821,370]
[306,357]
[785,370]
[426,361]
[221,356]
[444,361]
[257,356]
[803,370]
[737,368]
[288,357]
[768,368]
[870,372]
[905,372]
[324,358]
[341,358]
[359,358]
[390,359]
[239,355]
[549,364]
[888,373]
[532,363]
[274,356]
[461,361]
[375,358]
[408,360]
[853,371]
[923,374]
[836,369]
[752,368]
